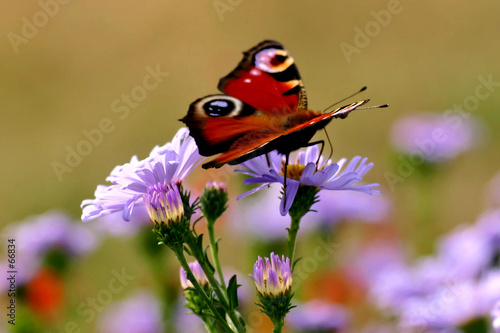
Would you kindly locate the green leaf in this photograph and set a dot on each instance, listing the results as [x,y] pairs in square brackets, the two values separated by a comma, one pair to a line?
[232,292]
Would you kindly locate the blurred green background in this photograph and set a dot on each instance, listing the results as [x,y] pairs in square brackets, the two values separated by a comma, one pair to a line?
[64,78]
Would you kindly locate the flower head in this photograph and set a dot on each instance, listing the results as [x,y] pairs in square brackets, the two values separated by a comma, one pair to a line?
[272,276]
[310,170]
[137,180]
[433,136]
[164,204]
[198,273]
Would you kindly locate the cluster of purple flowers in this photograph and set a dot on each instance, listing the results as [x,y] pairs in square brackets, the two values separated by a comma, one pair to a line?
[456,287]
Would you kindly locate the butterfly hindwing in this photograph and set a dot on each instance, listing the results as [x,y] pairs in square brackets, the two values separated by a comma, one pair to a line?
[267,79]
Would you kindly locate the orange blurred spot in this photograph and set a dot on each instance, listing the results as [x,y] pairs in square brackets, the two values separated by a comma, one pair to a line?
[45,294]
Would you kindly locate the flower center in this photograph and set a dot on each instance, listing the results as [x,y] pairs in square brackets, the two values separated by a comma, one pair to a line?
[293,171]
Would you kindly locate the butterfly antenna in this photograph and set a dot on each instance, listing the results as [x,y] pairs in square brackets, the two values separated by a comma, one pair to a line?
[352,95]
[374,107]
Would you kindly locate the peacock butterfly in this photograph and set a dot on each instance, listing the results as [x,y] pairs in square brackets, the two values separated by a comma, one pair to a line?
[263,108]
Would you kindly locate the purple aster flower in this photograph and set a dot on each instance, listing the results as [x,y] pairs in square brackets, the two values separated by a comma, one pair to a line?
[433,136]
[495,315]
[135,181]
[139,313]
[319,316]
[198,273]
[273,276]
[310,169]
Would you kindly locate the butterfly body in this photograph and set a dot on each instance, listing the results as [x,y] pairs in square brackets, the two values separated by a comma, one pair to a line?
[264,108]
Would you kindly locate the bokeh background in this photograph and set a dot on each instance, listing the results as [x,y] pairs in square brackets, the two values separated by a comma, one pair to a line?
[63,78]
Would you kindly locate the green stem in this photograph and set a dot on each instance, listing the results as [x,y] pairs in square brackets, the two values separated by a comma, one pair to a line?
[215,253]
[278,326]
[180,256]
[216,287]
[292,236]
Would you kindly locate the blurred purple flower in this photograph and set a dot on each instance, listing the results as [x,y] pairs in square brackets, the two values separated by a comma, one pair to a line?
[139,313]
[260,219]
[187,321]
[336,207]
[198,273]
[495,315]
[324,175]
[434,136]
[165,165]
[453,305]
[36,235]
[319,316]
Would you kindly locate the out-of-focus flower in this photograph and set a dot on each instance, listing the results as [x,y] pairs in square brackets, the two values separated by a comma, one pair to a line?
[272,276]
[310,170]
[452,306]
[187,321]
[260,219]
[433,136]
[451,291]
[198,273]
[42,238]
[319,316]
[495,315]
[493,191]
[132,182]
[139,313]
[335,207]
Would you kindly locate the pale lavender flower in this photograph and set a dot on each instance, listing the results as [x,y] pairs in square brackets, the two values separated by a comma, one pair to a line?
[139,313]
[198,273]
[37,235]
[186,320]
[453,305]
[272,276]
[495,315]
[309,171]
[433,136]
[260,219]
[132,182]
[335,207]
[319,316]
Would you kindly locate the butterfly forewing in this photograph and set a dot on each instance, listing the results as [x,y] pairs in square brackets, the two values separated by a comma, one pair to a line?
[267,79]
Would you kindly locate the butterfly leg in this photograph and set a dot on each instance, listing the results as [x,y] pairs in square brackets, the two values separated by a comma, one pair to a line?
[322,143]
[268,161]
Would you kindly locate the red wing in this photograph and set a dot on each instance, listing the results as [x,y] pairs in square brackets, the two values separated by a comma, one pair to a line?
[245,148]
[337,113]
[267,79]
[217,121]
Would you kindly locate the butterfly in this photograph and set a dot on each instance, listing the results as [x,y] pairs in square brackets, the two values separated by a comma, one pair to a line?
[263,108]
